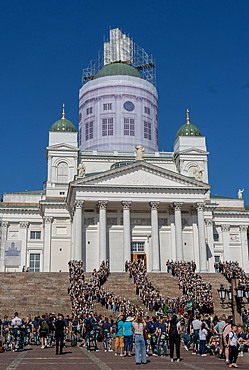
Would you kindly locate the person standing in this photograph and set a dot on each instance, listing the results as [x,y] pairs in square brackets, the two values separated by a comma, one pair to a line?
[128,336]
[60,332]
[218,330]
[138,326]
[43,331]
[233,347]
[203,338]
[174,330]
[119,336]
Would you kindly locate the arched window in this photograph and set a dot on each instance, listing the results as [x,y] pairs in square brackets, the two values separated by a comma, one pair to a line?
[62,172]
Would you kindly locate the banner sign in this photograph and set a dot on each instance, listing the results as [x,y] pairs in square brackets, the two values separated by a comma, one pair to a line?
[189,304]
[12,253]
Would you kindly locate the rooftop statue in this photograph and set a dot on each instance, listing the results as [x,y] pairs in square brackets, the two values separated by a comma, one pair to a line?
[240,192]
[139,152]
[81,169]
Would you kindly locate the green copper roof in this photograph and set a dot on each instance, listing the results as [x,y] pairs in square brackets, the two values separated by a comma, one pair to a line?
[117,69]
[188,129]
[63,125]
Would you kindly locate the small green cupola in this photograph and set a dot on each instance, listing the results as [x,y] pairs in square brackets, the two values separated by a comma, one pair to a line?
[188,129]
[63,124]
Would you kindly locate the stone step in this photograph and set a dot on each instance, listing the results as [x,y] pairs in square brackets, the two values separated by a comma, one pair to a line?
[167,284]
[34,293]
[216,279]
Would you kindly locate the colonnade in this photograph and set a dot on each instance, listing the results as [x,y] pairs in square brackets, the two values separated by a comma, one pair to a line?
[77,252]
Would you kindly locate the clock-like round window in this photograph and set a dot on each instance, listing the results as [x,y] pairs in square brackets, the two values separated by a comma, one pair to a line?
[128,105]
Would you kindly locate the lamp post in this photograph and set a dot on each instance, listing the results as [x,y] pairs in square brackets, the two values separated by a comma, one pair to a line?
[235,299]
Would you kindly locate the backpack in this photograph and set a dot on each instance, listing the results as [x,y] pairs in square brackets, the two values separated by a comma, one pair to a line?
[173,332]
[115,327]
[88,325]
[44,326]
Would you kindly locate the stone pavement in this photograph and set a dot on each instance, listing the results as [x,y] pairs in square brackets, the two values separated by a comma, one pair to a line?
[78,358]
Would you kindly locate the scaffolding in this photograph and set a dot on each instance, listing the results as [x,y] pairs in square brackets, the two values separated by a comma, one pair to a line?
[120,47]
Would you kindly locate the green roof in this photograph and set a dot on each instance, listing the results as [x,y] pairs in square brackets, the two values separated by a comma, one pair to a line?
[30,192]
[62,125]
[188,130]
[117,69]
[221,197]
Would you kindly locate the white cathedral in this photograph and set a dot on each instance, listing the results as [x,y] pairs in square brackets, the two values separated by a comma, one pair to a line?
[111,194]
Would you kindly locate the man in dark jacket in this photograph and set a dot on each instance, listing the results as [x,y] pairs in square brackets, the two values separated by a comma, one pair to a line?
[60,332]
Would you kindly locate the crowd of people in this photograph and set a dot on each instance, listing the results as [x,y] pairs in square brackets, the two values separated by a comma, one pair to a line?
[17,333]
[192,286]
[83,293]
[157,335]
[232,269]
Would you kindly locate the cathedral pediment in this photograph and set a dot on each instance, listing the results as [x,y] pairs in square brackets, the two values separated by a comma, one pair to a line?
[193,151]
[140,174]
[62,147]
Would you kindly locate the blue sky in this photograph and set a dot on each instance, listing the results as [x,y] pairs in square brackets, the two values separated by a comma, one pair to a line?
[202,53]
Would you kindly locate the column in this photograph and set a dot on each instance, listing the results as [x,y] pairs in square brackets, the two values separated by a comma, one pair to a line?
[72,236]
[102,230]
[210,241]
[154,236]
[244,247]
[178,230]
[225,236]
[201,237]
[5,225]
[47,244]
[195,240]
[172,234]
[23,236]
[78,230]
[126,231]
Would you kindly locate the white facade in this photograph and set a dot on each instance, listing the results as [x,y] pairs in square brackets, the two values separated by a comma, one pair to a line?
[154,209]
[120,204]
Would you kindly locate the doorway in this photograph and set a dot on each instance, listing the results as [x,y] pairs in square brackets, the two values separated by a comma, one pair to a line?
[139,258]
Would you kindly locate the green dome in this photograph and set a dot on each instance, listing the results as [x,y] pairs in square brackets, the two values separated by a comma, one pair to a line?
[117,69]
[188,129]
[63,125]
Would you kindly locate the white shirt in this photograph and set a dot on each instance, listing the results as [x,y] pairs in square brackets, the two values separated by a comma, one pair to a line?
[233,340]
[202,334]
[16,321]
[196,324]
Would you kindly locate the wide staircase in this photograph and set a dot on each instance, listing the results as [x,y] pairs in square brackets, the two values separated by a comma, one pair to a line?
[216,279]
[33,293]
[167,284]
[38,293]
[120,284]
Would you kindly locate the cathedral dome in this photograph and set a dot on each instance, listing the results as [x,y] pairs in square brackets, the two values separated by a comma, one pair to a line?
[63,124]
[188,129]
[117,69]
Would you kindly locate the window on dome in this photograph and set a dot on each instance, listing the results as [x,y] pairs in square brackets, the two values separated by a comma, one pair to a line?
[147,130]
[89,130]
[147,110]
[62,173]
[129,127]
[80,136]
[107,106]
[157,141]
[107,126]
[89,110]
